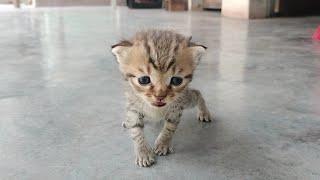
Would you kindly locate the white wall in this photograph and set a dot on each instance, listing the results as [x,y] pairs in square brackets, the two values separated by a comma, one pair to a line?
[4,1]
[236,8]
[246,9]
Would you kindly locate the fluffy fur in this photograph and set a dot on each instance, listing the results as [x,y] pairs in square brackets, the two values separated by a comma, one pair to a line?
[159,55]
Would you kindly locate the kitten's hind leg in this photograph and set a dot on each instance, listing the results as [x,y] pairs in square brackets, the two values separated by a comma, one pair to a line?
[203,112]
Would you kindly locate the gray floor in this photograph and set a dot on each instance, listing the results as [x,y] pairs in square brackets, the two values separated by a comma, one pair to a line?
[61,102]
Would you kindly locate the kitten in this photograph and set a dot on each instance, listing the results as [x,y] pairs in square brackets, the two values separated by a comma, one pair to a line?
[158,65]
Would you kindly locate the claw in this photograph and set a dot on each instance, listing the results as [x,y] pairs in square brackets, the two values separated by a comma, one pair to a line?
[145,160]
[204,117]
[162,150]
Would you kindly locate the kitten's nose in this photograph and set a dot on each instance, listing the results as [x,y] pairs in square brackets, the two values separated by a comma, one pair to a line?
[160,98]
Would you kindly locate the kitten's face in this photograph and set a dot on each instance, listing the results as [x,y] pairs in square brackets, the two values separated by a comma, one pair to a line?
[158,74]
[157,86]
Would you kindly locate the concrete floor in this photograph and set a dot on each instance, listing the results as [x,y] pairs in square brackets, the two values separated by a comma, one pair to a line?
[61,101]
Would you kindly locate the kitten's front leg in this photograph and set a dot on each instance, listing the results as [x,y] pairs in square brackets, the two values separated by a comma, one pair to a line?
[163,142]
[144,154]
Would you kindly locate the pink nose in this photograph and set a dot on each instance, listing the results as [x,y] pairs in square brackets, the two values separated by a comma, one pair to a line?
[160,98]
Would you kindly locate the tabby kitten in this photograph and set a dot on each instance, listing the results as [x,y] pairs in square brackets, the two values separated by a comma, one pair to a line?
[158,65]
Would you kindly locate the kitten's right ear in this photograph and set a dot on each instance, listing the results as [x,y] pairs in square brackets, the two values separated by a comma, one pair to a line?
[121,50]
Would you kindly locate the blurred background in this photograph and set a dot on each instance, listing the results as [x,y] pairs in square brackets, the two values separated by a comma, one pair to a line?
[234,8]
[62,97]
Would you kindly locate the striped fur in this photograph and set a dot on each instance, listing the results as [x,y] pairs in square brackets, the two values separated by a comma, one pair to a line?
[160,55]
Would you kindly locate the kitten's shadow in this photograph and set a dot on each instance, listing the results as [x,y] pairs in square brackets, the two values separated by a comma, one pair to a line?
[194,136]
[218,144]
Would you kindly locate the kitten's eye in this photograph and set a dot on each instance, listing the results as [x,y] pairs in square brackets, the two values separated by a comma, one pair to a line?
[144,80]
[176,81]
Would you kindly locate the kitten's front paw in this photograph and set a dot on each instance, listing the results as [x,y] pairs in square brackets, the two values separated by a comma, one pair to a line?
[145,159]
[163,149]
[204,116]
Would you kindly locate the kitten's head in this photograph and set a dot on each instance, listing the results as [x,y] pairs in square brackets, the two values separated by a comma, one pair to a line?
[158,64]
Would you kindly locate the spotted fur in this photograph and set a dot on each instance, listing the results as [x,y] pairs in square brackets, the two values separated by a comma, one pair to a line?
[159,55]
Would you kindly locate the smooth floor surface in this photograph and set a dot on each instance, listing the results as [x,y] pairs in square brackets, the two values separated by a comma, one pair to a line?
[62,103]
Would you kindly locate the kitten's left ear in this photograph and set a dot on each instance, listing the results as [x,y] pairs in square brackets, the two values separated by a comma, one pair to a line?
[197,51]
[121,50]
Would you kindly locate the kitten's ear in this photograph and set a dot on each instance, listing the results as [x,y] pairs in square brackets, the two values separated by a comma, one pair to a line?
[197,51]
[121,50]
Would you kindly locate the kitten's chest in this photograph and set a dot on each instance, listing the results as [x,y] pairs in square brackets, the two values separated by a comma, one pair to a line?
[153,114]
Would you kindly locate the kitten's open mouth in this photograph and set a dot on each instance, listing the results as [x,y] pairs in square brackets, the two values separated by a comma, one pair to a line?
[159,104]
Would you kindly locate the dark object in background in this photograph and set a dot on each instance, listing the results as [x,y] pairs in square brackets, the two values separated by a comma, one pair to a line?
[144,3]
[211,4]
[299,7]
[176,5]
